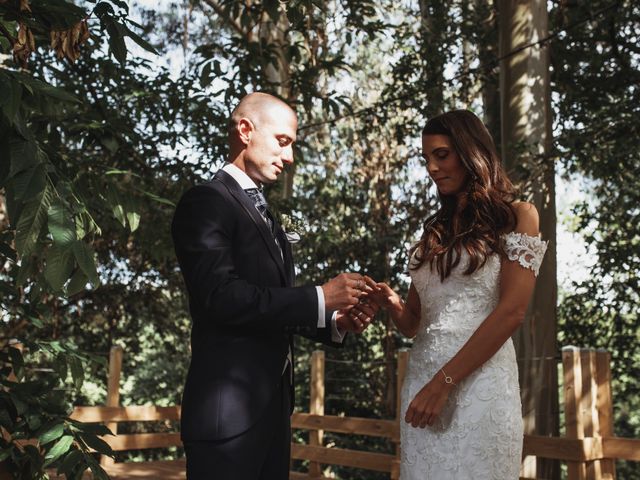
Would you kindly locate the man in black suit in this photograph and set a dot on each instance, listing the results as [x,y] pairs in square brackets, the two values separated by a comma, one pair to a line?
[238,269]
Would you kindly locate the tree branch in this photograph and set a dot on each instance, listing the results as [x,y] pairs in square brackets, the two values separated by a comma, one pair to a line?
[220,11]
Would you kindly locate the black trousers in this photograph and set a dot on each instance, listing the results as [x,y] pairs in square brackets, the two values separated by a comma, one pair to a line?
[260,453]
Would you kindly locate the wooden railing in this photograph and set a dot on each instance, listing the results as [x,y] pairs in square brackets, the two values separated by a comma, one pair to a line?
[589,446]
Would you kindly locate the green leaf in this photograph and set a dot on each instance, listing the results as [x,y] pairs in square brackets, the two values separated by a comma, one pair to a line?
[157,198]
[19,404]
[29,183]
[17,362]
[4,454]
[52,433]
[60,366]
[117,46]
[23,156]
[97,471]
[12,105]
[70,461]
[32,220]
[98,444]
[58,266]
[61,225]
[77,371]
[60,448]
[84,257]
[134,220]
[205,76]
[77,283]
[141,41]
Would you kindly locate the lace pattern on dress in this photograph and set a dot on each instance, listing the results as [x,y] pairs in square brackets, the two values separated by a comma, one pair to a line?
[526,249]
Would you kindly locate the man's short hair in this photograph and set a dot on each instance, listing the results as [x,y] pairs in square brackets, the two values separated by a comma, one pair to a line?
[252,106]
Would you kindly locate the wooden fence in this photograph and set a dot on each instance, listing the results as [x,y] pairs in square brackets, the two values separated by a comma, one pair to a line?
[589,446]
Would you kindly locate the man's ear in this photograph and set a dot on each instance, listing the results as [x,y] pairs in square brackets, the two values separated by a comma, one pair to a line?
[245,129]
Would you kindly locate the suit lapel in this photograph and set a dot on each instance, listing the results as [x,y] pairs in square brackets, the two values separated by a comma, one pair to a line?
[286,253]
[248,206]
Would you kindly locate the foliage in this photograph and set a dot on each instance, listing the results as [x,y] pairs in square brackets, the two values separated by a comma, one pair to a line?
[56,195]
[101,142]
[597,117]
[33,406]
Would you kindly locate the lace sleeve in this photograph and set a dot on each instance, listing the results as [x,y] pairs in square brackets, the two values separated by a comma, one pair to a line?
[527,250]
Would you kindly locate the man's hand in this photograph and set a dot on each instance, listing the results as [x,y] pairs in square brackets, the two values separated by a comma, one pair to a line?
[343,291]
[357,318]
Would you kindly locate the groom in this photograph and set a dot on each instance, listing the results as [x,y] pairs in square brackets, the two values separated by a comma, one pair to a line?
[239,273]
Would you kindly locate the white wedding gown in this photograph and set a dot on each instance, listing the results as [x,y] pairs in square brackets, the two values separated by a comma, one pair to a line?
[479,433]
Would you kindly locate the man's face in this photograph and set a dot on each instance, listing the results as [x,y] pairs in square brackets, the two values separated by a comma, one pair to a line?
[270,144]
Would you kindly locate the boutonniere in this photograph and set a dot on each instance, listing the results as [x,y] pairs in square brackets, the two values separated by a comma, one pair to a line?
[294,226]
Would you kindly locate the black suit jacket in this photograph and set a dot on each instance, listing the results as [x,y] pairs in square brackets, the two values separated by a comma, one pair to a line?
[243,305]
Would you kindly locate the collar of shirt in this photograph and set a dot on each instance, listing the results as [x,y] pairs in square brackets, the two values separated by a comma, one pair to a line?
[240,176]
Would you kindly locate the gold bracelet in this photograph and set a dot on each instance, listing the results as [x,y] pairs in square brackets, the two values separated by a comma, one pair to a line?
[447,379]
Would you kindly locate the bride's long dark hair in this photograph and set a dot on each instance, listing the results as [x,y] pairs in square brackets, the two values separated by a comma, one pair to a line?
[474,219]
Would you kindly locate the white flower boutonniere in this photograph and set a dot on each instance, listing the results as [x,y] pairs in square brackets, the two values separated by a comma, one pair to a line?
[294,227]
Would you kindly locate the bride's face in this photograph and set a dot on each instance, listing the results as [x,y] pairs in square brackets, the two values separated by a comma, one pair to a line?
[444,164]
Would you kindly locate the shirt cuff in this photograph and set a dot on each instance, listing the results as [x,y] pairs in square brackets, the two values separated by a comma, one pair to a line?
[320,293]
[336,335]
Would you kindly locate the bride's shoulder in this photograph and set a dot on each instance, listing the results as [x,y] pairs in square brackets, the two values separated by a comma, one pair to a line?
[527,218]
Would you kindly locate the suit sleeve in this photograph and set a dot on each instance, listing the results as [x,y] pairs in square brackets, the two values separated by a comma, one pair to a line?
[202,231]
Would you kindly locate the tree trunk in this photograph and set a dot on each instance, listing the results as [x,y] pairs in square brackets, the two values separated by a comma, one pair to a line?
[526,141]
[433,21]
[487,52]
[279,75]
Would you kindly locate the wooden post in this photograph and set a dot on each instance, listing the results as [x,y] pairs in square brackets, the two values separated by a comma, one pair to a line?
[604,406]
[403,359]
[316,404]
[588,403]
[572,368]
[113,392]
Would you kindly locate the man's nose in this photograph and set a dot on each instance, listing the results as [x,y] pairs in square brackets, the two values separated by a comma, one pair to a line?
[287,154]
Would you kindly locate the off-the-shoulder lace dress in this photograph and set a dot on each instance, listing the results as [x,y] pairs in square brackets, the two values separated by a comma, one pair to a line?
[479,434]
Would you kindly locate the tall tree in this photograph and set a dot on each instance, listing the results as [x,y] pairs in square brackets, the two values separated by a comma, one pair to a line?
[526,147]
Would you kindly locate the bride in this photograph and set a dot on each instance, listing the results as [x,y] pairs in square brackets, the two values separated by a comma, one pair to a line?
[473,273]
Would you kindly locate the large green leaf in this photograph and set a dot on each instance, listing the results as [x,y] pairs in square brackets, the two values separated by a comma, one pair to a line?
[116,41]
[23,155]
[17,362]
[117,204]
[52,433]
[61,225]
[29,183]
[84,257]
[77,371]
[133,218]
[69,463]
[60,448]
[58,266]
[32,220]
[98,444]
[77,283]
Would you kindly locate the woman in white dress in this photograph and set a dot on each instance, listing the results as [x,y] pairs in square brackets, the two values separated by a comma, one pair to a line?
[473,273]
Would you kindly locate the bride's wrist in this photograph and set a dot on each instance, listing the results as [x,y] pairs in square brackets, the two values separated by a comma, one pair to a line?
[397,309]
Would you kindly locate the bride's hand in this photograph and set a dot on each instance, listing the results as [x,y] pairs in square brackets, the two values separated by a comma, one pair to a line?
[428,402]
[384,295]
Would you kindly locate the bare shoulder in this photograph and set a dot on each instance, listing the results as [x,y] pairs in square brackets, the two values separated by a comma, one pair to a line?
[527,218]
